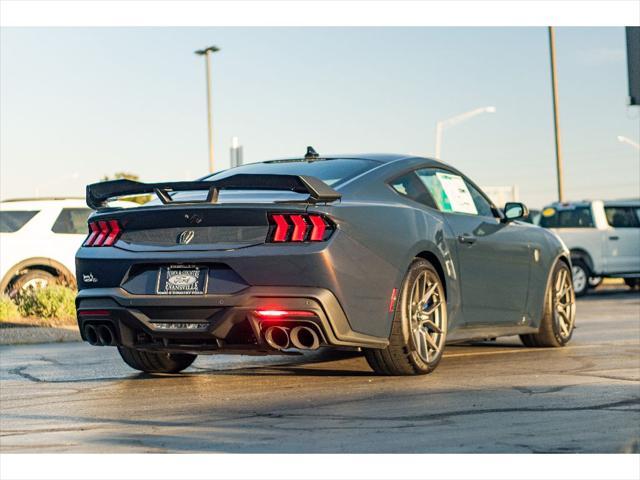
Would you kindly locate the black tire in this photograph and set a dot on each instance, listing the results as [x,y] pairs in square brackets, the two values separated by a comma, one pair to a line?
[580,270]
[402,357]
[632,283]
[152,362]
[38,277]
[550,333]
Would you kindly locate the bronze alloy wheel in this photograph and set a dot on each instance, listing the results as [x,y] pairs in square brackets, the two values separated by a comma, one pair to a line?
[564,304]
[426,315]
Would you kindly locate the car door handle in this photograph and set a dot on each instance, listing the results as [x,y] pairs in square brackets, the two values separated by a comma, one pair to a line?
[468,239]
[614,238]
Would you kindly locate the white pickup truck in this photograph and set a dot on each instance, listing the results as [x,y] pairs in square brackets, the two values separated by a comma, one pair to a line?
[604,239]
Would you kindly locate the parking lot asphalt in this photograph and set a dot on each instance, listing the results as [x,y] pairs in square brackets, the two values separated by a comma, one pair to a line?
[487,397]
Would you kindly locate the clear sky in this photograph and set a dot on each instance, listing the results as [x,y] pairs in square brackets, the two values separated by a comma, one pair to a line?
[79,103]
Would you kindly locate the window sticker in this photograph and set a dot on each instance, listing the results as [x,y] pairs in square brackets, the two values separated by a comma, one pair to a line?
[548,212]
[455,194]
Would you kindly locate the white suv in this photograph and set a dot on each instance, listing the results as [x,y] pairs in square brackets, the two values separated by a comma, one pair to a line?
[38,241]
[604,239]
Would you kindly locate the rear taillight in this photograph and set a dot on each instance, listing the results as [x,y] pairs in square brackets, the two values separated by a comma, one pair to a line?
[103,233]
[289,227]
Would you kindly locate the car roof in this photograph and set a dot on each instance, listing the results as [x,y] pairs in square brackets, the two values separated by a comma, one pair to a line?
[622,203]
[41,203]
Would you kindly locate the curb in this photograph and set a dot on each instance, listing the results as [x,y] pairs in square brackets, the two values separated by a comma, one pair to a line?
[29,335]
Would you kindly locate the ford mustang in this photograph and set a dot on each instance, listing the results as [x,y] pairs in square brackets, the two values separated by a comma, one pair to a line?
[391,255]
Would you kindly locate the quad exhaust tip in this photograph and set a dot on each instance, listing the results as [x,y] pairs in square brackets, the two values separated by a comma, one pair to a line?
[277,337]
[304,338]
[100,335]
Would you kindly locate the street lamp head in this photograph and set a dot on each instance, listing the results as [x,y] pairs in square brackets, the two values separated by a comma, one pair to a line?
[204,51]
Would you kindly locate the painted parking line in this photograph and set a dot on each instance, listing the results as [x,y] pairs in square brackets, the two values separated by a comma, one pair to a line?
[532,350]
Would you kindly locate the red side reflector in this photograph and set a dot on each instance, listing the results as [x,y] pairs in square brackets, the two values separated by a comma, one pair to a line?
[94,313]
[283,313]
[93,226]
[299,228]
[282,228]
[318,229]
[114,233]
[392,301]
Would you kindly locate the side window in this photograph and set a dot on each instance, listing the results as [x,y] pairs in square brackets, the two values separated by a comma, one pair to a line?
[409,185]
[482,205]
[72,220]
[622,217]
[579,217]
[453,194]
[13,220]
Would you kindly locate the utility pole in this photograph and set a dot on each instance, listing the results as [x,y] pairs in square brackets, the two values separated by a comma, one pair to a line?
[207,52]
[556,125]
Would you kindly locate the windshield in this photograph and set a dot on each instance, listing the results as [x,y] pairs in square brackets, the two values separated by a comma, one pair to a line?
[331,172]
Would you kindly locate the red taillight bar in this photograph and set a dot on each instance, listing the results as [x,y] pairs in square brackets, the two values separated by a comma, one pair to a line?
[282,229]
[103,233]
[288,227]
[319,227]
[283,313]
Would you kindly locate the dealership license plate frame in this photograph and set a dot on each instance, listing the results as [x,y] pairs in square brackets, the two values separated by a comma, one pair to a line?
[165,287]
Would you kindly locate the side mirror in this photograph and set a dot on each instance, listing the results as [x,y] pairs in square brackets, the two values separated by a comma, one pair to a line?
[515,211]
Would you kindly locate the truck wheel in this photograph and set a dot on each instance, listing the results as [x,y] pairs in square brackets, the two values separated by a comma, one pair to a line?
[152,362]
[632,283]
[581,275]
[419,327]
[558,321]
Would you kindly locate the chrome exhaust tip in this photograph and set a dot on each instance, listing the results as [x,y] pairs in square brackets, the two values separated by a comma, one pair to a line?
[277,337]
[91,335]
[106,335]
[304,338]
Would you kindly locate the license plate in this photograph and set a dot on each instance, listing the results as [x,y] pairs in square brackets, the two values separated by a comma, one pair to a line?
[182,280]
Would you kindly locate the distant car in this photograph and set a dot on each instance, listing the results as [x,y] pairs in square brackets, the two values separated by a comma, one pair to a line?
[38,241]
[603,237]
[391,254]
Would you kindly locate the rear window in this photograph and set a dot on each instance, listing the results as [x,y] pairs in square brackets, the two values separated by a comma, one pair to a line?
[623,217]
[578,217]
[331,172]
[72,220]
[13,220]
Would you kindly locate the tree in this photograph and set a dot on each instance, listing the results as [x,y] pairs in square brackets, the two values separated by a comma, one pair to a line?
[141,199]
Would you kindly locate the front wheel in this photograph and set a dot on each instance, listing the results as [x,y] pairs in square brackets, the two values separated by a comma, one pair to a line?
[152,362]
[419,327]
[558,322]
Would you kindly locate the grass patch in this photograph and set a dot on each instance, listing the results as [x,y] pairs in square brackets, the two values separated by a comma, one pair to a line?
[52,306]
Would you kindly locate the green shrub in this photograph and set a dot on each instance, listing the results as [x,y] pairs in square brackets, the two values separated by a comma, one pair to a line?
[54,301]
[8,309]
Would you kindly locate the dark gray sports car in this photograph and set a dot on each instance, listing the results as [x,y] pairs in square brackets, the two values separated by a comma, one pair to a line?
[394,255]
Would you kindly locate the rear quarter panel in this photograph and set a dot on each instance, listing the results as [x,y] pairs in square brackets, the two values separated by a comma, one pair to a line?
[377,242]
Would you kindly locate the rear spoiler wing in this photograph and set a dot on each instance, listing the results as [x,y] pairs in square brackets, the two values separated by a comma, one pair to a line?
[99,193]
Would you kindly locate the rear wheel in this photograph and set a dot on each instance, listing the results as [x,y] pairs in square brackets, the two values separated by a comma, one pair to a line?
[152,362]
[419,327]
[581,274]
[558,322]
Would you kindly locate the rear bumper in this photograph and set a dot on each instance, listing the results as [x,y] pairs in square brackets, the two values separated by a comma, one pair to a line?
[226,323]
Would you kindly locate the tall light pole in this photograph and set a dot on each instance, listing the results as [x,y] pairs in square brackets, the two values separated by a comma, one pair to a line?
[556,114]
[449,122]
[628,141]
[207,52]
